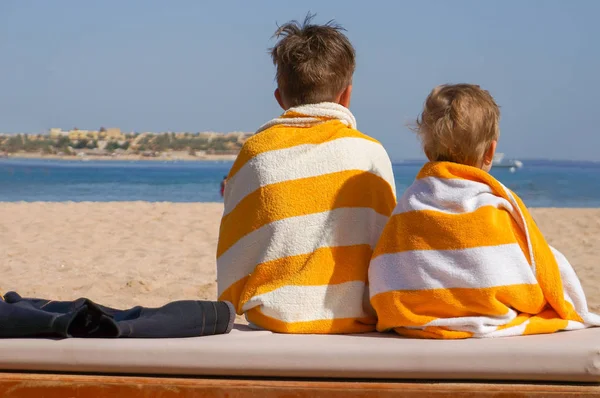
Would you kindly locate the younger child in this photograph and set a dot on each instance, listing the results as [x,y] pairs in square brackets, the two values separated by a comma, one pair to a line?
[461,256]
[306,198]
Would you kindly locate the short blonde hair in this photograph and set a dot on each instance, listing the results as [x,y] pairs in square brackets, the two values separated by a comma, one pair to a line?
[458,124]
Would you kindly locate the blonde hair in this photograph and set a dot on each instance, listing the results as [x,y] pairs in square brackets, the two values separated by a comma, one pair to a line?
[458,124]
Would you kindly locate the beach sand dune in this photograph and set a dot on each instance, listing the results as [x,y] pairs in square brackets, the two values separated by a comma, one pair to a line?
[124,254]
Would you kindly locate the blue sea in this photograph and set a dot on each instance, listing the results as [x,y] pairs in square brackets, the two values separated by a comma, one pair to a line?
[539,183]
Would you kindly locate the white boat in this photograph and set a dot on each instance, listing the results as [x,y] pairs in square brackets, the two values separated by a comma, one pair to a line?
[500,162]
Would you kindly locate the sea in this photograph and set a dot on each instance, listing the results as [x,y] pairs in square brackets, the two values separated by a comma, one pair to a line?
[540,183]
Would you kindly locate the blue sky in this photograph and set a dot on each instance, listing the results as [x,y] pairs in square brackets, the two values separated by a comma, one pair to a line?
[192,65]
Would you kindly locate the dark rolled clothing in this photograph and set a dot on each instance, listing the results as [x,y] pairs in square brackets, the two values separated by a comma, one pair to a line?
[30,317]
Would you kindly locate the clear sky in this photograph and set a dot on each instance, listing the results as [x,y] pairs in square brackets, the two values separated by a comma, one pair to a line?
[191,65]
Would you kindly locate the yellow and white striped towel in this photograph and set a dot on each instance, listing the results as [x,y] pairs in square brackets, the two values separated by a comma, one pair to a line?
[462,257]
[305,203]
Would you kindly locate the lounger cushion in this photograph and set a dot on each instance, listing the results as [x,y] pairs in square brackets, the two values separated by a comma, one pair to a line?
[568,356]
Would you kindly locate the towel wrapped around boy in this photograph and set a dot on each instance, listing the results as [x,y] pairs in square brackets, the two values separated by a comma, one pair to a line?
[305,203]
[462,257]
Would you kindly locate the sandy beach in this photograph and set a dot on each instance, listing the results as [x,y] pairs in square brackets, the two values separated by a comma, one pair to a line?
[136,253]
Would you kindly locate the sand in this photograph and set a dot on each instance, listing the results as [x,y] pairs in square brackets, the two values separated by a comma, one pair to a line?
[118,254]
[125,254]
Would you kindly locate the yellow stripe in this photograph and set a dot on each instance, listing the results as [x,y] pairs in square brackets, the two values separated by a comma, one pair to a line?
[433,332]
[452,170]
[460,171]
[418,308]
[515,322]
[547,321]
[353,188]
[282,137]
[291,115]
[433,230]
[294,115]
[233,294]
[547,271]
[324,326]
[324,266]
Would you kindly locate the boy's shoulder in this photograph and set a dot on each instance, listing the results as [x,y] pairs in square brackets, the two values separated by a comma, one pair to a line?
[358,134]
[335,135]
[282,136]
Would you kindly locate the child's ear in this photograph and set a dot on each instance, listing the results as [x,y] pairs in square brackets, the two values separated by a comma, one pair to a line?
[279,99]
[488,158]
[344,99]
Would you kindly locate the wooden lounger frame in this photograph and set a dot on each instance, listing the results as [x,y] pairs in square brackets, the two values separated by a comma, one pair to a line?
[38,385]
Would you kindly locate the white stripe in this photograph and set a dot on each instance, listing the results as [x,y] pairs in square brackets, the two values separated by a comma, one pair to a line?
[312,303]
[520,218]
[298,235]
[475,324]
[590,318]
[449,195]
[480,267]
[517,330]
[573,291]
[304,161]
[573,325]
[486,331]
[329,110]
[299,121]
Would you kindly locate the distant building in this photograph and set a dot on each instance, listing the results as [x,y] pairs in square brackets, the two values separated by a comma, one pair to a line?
[77,134]
[114,134]
[57,133]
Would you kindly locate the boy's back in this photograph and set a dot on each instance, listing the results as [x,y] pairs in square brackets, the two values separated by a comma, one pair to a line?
[305,203]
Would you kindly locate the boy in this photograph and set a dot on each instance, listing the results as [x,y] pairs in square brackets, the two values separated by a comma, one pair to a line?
[461,256]
[306,198]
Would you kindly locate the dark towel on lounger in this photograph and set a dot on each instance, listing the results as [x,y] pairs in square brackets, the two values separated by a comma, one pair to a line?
[26,317]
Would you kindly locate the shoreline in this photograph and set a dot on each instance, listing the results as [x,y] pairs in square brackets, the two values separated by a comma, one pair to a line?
[199,158]
[159,158]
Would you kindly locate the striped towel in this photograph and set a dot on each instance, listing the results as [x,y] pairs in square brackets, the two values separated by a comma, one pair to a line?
[462,257]
[305,203]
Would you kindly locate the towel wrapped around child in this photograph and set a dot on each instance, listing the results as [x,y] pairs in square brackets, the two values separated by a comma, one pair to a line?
[462,257]
[305,203]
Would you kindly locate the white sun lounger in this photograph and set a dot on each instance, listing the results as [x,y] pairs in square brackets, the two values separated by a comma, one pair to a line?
[260,363]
